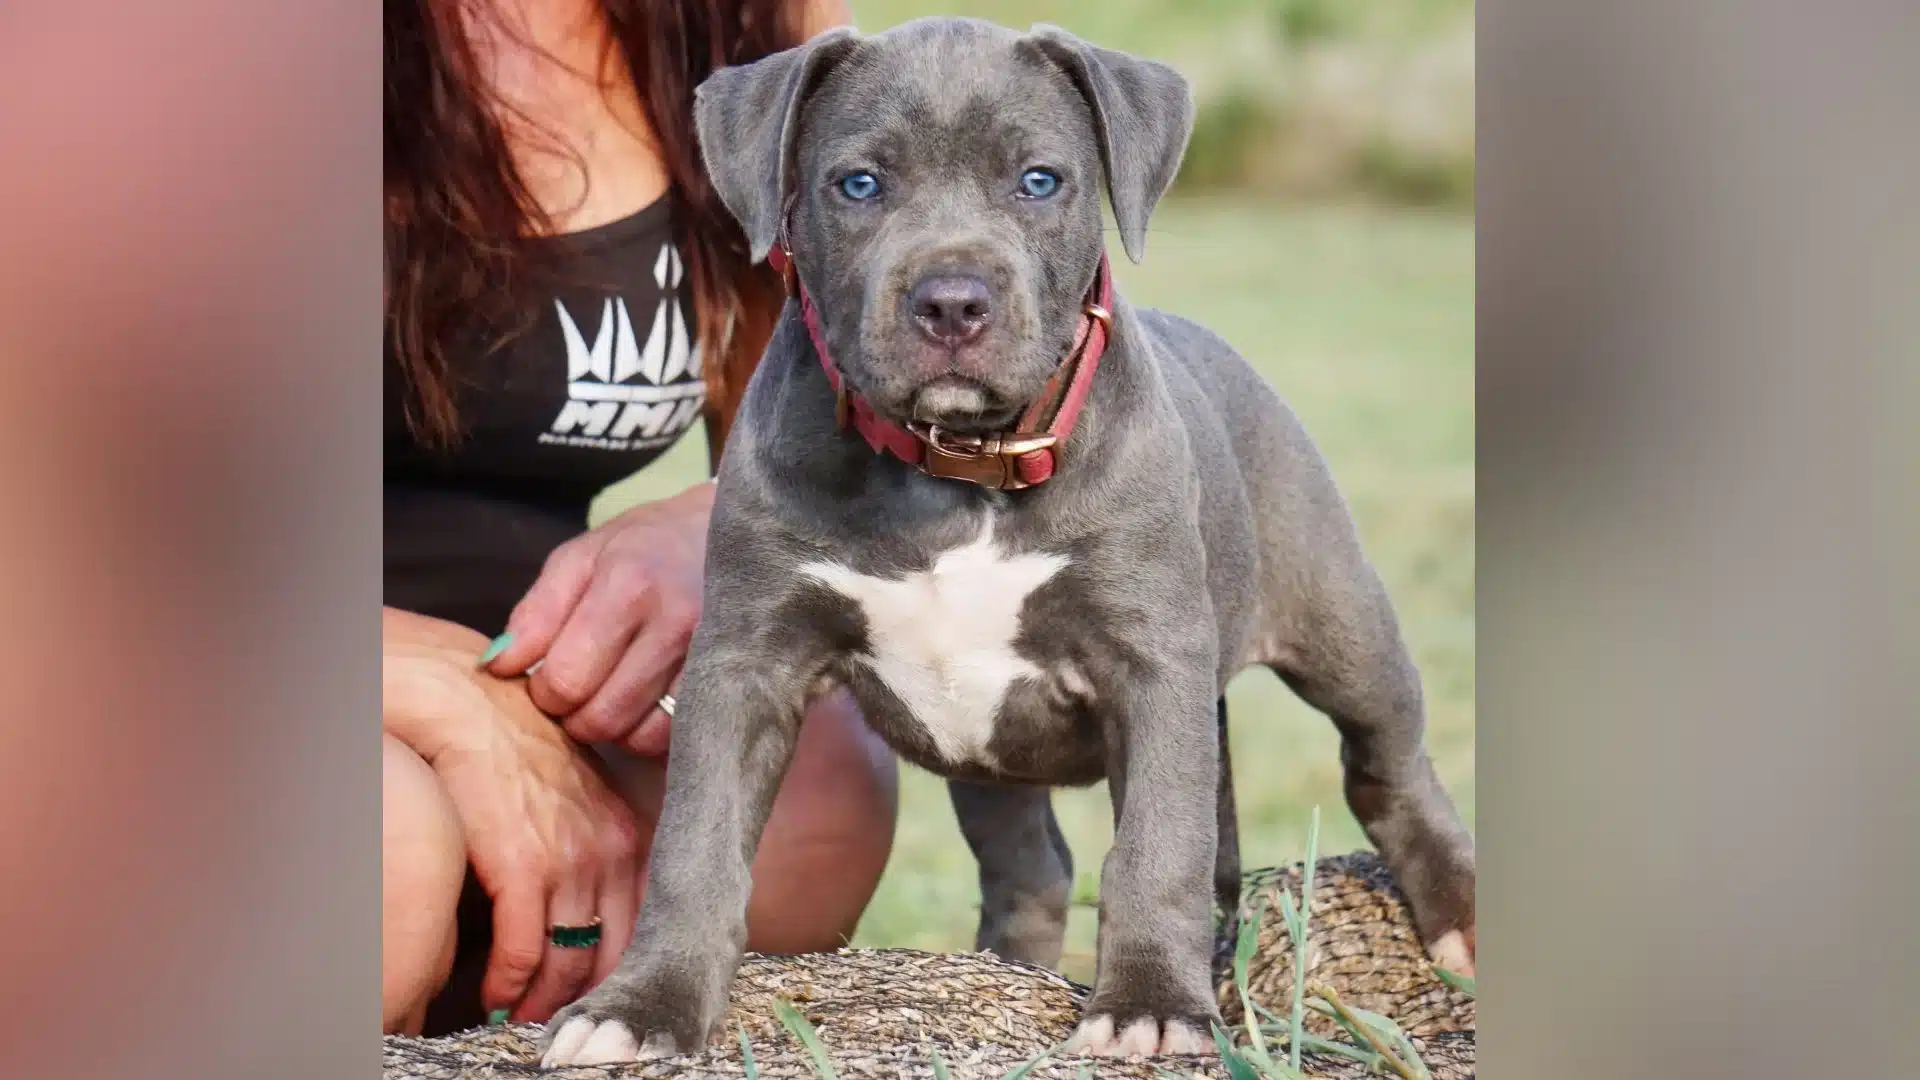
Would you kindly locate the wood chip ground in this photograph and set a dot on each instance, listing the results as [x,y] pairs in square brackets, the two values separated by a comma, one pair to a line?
[881,1012]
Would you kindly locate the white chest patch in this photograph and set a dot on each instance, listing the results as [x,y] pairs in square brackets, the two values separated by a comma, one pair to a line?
[942,639]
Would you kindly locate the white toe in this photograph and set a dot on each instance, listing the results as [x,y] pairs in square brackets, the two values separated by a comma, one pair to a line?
[1450,952]
[1180,1038]
[1140,1039]
[610,1044]
[567,1043]
[1094,1037]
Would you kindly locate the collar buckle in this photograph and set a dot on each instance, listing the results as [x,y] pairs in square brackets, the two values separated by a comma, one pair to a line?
[990,461]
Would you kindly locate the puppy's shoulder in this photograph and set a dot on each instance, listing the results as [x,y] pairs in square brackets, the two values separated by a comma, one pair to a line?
[1178,338]
[1192,356]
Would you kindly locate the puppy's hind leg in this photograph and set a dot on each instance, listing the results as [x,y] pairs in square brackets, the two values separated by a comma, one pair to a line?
[1349,662]
[1026,869]
[1226,853]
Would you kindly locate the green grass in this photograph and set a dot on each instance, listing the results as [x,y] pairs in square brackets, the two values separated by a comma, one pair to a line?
[1166,28]
[1363,320]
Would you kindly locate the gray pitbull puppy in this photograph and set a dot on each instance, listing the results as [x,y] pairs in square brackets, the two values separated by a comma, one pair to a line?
[938,187]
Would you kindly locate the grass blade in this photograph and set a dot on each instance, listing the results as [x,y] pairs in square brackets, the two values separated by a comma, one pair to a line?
[1313,862]
[1328,1048]
[1314,1044]
[1462,983]
[1273,1018]
[1302,947]
[1387,1029]
[940,1066]
[1023,1070]
[1267,1066]
[1362,1033]
[1249,941]
[1382,1026]
[1290,915]
[1375,1031]
[1257,1056]
[1242,960]
[1255,1038]
[747,1064]
[791,1019]
[1306,890]
[1238,1068]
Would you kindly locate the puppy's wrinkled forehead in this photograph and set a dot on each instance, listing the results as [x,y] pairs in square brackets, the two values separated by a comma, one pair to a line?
[947,95]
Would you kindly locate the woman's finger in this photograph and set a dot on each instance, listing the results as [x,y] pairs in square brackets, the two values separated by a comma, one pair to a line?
[564,968]
[519,943]
[617,605]
[651,736]
[629,695]
[536,620]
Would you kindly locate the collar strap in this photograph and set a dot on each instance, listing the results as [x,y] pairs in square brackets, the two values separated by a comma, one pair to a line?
[1021,458]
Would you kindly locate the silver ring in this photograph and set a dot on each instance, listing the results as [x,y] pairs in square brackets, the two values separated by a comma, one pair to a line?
[667,704]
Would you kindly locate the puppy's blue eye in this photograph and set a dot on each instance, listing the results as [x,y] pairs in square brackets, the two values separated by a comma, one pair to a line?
[1039,183]
[860,186]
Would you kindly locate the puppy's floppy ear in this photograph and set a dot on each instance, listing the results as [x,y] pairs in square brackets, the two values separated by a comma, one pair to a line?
[747,118]
[1143,115]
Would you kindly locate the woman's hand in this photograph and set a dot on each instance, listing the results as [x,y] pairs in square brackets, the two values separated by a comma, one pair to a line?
[609,620]
[548,839]
[551,844]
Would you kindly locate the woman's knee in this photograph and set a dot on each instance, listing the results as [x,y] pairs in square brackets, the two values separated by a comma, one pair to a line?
[423,865]
[844,779]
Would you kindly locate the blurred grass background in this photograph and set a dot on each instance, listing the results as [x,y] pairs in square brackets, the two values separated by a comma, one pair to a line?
[1323,224]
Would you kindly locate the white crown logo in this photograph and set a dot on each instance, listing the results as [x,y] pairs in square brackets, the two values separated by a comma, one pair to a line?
[614,358]
[620,390]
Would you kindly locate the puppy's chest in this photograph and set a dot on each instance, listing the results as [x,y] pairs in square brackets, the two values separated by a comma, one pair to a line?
[943,640]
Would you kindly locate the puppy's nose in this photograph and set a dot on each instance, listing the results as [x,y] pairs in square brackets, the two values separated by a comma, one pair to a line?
[952,309]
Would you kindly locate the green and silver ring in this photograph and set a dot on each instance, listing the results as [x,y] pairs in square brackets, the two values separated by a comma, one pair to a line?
[575,937]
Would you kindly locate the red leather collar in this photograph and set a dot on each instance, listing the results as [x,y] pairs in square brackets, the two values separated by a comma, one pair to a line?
[1021,458]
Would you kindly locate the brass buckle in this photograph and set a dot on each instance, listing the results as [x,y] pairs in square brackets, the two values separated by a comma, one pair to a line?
[989,461]
[1099,314]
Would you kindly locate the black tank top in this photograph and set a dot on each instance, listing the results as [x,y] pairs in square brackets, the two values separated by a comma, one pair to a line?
[606,378]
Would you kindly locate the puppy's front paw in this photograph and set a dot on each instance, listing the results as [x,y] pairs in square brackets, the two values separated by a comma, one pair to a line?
[582,1040]
[1454,952]
[1151,998]
[1143,1036]
[633,1018]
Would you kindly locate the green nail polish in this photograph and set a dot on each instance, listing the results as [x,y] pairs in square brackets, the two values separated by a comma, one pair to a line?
[496,647]
[497,1017]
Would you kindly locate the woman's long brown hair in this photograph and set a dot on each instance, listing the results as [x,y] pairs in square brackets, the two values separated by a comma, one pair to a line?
[460,223]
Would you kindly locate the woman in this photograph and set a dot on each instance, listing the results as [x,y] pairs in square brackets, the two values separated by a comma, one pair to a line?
[565,297]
